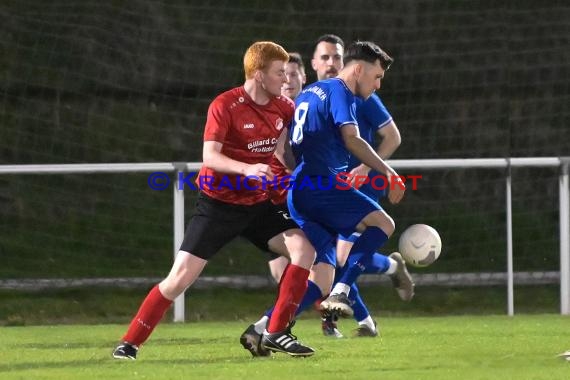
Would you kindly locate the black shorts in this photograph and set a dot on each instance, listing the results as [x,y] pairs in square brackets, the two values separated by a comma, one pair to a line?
[214,224]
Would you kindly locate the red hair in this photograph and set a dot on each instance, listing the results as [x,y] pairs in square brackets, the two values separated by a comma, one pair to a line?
[260,55]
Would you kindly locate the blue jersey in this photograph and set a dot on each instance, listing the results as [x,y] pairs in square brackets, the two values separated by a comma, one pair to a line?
[320,208]
[371,115]
[321,109]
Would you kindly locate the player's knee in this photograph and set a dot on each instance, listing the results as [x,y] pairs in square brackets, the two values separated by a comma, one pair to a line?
[389,227]
[381,220]
[303,258]
[172,286]
[277,266]
[299,249]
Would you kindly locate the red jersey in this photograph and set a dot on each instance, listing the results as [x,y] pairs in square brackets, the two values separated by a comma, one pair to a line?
[249,133]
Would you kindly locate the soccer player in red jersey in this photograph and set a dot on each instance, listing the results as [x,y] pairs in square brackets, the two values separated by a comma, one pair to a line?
[244,127]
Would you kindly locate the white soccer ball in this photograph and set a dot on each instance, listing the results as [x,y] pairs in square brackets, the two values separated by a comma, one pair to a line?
[420,245]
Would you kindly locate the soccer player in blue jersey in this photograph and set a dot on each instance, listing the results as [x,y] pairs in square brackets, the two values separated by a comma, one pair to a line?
[324,135]
[374,121]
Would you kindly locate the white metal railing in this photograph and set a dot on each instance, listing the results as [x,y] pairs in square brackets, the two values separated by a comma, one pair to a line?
[485,163]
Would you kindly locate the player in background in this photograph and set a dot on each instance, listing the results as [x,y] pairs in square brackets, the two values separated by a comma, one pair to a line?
[243,129]
[374,123]
[324,203]
[296,77]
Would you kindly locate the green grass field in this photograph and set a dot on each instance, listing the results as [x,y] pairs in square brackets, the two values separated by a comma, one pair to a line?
[461,347]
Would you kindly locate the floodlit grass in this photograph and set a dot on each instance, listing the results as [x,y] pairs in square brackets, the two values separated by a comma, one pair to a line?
[466,347]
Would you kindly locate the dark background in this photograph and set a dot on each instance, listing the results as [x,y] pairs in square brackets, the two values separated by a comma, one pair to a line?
[130,81]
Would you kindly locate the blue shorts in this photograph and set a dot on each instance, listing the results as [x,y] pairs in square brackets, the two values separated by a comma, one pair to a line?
[350,238]
[325,213]
[376,188]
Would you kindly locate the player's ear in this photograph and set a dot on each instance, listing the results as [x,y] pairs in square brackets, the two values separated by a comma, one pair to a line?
[258,76]
[358,69]
[314,64]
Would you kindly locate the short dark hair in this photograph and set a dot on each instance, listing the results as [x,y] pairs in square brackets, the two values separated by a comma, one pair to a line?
[330,38]
[367,51]
[295,57]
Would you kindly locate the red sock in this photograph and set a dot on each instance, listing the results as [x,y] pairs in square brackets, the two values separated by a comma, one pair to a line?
[291,291]
[150,313]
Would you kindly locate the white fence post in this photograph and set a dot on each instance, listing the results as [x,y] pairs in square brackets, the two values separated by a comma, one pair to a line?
[178,231]
[510,281]
[564,237]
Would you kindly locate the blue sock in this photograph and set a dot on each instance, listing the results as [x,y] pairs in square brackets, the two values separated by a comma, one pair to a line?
[269,311]
[362,252]
[312,294]
[360,310]
[379,264]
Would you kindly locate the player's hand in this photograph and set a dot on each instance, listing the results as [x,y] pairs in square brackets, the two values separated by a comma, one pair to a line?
[397,188]
[358,174]
[259,171]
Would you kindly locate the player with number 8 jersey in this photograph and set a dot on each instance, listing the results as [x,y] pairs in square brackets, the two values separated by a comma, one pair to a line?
[324,136]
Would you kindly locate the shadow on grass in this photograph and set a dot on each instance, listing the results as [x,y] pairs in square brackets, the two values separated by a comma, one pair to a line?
[111,344]
[90,363]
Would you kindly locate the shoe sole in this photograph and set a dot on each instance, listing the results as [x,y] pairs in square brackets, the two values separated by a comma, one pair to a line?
[294,354]
[340,308]
[122,357]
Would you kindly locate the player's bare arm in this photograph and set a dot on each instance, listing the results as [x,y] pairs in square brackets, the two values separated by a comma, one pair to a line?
[213,158]
[391,140]
[283,151]
[364,152]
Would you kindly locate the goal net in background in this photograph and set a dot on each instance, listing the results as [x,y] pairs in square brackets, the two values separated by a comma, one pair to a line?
[99,82]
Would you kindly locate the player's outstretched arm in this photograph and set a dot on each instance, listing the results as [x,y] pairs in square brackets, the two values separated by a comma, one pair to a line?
[213,158]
